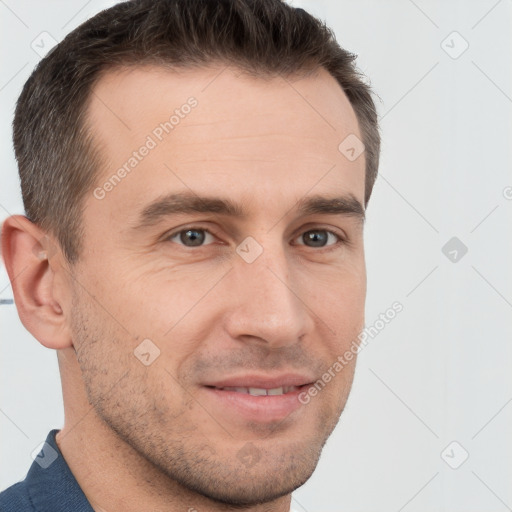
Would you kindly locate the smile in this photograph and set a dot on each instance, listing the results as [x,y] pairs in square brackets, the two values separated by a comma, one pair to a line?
[258,398]
[261,391]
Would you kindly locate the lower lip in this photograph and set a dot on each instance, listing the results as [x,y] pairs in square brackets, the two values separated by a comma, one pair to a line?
[263,409]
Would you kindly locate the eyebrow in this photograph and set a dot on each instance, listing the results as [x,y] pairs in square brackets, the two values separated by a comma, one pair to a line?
[187,203]
[347,205]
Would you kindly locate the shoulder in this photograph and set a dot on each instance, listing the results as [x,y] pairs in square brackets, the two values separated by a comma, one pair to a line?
[16,498]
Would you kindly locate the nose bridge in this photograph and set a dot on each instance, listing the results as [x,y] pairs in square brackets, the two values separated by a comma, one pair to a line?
[265,303]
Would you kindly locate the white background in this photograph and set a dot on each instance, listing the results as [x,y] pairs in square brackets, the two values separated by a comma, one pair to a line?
[440,371]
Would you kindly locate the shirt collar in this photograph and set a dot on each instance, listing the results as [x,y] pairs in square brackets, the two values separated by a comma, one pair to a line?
[50,483]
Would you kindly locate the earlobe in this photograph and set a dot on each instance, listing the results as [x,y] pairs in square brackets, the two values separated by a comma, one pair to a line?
[33,262]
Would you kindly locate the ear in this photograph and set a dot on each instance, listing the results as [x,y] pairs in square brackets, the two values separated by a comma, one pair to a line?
[35,265]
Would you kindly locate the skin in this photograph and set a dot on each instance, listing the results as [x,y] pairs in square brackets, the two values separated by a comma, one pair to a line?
[142,437]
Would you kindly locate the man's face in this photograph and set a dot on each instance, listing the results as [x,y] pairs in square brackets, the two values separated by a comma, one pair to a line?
[224,311]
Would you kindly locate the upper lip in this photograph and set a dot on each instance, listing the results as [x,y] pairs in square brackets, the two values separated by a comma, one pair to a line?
[262,381]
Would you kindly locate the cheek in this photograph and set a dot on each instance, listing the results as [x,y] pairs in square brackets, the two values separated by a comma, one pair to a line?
[340,307]
[337,296]
[176,313]
[146,300]
[122,389]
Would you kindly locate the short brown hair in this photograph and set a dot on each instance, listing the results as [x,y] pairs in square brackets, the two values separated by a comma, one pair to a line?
[58,161]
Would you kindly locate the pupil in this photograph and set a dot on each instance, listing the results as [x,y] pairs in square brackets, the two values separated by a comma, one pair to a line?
[192,237]
[315,238]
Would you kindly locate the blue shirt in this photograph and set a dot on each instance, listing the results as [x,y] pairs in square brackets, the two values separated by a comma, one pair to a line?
[48,487]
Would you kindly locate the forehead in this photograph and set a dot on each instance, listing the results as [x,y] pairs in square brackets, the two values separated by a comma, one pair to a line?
[218,130]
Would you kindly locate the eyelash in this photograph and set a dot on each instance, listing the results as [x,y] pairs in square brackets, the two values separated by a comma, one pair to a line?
[341,240]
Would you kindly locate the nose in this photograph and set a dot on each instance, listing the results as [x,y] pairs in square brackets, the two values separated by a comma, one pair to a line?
[266,304]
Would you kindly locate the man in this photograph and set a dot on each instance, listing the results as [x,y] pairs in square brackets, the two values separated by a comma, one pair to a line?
[195,177]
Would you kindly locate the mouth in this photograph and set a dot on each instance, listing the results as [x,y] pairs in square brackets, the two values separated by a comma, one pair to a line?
[278,391]
[258,399]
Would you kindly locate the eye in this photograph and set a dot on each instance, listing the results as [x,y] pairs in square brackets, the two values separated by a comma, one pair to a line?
[319,238]
[192,237]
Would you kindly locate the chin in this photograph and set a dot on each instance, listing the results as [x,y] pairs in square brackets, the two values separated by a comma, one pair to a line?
[274,476]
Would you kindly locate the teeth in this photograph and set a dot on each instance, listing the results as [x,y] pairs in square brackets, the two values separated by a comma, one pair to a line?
[275,391]
[262,391]
[257,391]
